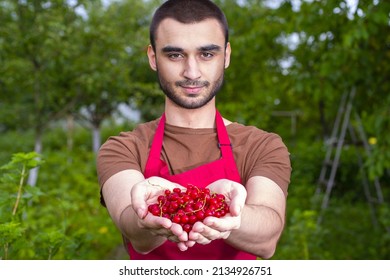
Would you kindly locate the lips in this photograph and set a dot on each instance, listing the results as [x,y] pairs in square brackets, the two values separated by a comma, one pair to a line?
[192,87]
[192,90]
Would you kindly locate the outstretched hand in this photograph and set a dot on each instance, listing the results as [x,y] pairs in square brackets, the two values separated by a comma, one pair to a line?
[145,193]
[213,228]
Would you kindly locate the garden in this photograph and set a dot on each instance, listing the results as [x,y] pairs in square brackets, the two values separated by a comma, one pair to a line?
[73,73]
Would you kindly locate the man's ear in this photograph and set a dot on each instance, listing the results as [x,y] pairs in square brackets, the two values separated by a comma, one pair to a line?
[152,58]
[228,51]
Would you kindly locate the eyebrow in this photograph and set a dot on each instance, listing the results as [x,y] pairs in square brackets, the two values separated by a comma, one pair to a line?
[211,47]
[206,48]
[169,49]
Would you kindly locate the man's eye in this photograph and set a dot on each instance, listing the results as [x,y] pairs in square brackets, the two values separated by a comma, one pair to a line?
[207,55]
[175,55]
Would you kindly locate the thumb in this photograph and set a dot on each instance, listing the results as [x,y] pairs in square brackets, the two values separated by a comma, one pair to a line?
[141,213]
[238,200]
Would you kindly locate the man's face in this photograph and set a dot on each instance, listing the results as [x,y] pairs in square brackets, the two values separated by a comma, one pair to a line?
[190,60]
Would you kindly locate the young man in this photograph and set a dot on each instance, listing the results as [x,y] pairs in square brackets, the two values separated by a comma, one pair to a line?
[191,144]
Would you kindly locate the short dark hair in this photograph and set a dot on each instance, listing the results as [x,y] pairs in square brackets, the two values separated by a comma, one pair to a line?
[188,11]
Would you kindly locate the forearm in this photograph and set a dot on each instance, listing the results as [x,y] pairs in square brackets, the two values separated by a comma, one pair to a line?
[259,232]
[116,193]
[142,240]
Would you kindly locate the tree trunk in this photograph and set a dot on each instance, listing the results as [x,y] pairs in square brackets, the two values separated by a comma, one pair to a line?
[33,175]
[96,138]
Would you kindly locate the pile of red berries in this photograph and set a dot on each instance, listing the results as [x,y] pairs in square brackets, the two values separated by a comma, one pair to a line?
[189,206]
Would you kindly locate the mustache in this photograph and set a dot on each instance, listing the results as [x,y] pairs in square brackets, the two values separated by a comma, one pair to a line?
[190,83]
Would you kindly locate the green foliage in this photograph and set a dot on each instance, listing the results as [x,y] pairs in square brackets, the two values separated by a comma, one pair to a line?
[377,127]
[349,228]
[61,217]
[9,233]
[14,197]
[56,62]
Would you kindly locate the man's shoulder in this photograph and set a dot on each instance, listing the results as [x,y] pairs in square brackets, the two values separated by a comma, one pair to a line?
[141,134]
[238,128]
[147,126]
[142,129]
[245,134]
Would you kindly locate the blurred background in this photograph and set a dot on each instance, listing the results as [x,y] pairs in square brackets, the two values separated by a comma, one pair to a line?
[74,72]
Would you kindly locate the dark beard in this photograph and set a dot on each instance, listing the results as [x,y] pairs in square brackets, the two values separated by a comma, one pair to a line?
[186,102]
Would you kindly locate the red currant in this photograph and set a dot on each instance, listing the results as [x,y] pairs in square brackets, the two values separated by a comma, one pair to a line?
[189,206]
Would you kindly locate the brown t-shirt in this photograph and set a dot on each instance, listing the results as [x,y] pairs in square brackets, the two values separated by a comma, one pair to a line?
[257,152]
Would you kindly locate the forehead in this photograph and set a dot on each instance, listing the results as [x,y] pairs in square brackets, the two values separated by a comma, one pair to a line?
[192,35]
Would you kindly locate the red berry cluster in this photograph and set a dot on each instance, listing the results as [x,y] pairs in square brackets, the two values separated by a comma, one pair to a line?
[187,207]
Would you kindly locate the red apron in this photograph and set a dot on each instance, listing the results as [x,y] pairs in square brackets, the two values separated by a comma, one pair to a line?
[202,176]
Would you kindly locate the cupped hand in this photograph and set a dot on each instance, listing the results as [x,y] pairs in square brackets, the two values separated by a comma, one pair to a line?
[213,228]
[235,194]
[145,193]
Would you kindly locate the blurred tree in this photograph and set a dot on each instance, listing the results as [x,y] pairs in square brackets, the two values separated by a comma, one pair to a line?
[342,46]
[35,48]
[111,40]
[62,58]
[83,58]
[302,56]
[252,84]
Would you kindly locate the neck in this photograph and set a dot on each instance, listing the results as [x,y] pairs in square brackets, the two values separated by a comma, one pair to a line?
[192,118]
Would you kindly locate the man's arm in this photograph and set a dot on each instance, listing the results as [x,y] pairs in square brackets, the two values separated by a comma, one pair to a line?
[262,219]
[126,195]
[254,227]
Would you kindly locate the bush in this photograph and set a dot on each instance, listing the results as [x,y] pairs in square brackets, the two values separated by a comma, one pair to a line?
[61,218]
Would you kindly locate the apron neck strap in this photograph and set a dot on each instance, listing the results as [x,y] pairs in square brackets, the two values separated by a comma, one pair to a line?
[223,139]
[158,139]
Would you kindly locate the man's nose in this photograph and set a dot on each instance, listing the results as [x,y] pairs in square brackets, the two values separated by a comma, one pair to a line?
[191,69]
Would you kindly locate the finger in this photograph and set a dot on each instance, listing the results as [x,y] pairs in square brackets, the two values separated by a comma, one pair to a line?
[199,238]
[238,198]
[154,223]
[203,234]
[141,211]
[226,223]
[190,243]
[178,231]
[182,246]
[139,195]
